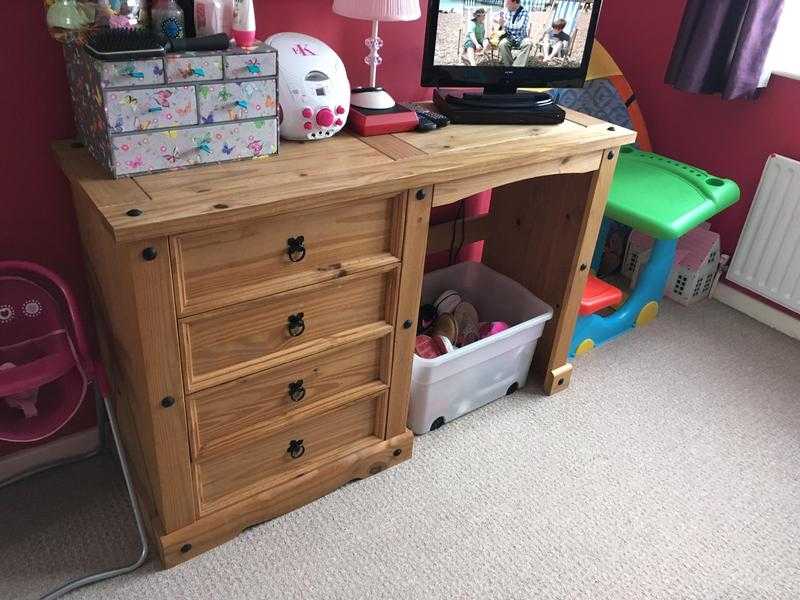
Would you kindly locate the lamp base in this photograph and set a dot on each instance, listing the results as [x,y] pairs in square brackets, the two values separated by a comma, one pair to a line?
[373,98]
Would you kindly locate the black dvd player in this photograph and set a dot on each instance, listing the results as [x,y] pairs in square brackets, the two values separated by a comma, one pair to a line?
[521,108]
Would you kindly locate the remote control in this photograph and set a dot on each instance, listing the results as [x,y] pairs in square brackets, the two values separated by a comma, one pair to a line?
[425,124]
[423,113]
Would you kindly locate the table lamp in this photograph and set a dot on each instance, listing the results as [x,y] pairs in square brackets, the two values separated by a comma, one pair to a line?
[374,97]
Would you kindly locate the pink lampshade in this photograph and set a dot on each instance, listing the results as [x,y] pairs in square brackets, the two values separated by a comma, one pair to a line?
[378,10]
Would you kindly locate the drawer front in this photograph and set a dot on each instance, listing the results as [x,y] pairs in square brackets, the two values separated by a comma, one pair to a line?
[131,73]
[193,68]
[261,463]
[176,148]
[245,262]
[225,344]
[236,101]
[247,66]
[154,108]
[229,410]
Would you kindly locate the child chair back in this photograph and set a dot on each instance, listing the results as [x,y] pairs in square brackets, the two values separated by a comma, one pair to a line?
[45,365]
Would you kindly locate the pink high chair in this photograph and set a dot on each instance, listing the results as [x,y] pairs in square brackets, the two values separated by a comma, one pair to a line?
[46,372]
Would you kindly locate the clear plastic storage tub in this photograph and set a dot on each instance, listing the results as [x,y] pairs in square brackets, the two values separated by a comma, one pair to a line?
[456,383]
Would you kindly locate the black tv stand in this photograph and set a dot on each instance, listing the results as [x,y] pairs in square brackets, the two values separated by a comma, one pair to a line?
[499,105]
[505,90]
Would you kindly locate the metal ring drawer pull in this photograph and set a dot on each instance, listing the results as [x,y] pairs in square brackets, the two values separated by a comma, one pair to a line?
[296,449]
[295,248]
[296,325]
[296,390]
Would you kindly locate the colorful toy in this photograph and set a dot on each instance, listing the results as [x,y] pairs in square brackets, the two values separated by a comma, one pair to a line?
[664,199]
[46,373]
[492,328]
[650,193]
[696,263]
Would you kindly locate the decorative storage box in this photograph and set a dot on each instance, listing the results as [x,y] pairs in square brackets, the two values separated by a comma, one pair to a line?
[160,114]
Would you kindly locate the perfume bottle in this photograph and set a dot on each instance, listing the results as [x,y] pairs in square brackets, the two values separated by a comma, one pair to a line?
[244,23]
[213,16]
[168,20]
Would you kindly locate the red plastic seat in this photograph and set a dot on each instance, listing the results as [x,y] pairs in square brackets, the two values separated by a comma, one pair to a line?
[599,295]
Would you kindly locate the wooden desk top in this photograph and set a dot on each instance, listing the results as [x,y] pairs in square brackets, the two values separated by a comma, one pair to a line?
[342,168]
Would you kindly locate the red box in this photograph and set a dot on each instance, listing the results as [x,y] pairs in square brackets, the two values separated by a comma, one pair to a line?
[366,121]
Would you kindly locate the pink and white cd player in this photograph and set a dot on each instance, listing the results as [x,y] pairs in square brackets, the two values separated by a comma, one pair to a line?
[314,89]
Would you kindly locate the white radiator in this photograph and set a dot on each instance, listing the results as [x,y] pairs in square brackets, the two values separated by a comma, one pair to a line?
[767,259]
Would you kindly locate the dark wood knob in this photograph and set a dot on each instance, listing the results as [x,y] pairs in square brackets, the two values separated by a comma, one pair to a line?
[296,325]
[296,390]
[296,449]
[296,249]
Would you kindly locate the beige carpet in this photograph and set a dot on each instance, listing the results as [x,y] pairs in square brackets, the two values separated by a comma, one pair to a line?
[670,469]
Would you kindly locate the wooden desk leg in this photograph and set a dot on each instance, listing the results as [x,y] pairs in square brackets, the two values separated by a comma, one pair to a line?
[415,238]
[543,234]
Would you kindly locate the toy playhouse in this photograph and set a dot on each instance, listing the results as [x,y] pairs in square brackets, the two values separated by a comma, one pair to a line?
[696,263]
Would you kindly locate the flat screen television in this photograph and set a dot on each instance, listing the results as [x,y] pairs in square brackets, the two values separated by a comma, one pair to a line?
[502,45]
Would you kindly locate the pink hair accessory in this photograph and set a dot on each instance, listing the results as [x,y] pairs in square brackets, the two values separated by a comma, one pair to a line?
[443,344]
[425,347]
[488,329]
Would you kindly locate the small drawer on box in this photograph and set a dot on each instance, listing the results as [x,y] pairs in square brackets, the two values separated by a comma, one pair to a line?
[215,268]
[152,108]
[169,149]
[186,67]
[131,73]
[247,66]
[228,343]
[236,101]
[260,462]
[226,411]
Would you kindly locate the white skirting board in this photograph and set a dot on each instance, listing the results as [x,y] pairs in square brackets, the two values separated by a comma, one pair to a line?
[758,310]
[63,448]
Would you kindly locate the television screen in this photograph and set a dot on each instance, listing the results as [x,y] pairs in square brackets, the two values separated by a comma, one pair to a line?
[509,42]
[543,33]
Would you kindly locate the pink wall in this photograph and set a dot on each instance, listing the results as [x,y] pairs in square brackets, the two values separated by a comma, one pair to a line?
[732,139]
[37,223]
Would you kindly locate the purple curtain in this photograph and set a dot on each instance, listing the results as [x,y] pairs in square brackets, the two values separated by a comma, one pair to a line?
[722,46]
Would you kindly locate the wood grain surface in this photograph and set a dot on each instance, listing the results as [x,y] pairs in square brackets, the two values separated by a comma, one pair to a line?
[224,477]
[305,486]
[250,260]
[228,410]
[311,175]
[239,340]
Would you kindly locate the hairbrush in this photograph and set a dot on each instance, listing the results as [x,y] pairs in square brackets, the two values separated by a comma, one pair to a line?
[133,44]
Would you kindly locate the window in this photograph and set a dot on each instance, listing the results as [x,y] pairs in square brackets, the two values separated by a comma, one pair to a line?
[784,54]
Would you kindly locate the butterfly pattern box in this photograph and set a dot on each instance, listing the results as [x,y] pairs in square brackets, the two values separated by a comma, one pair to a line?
[184,110]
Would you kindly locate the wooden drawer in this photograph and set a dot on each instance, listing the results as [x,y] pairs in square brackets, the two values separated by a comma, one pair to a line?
[262,462]
[221,413]
[228,343]
[218,267]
